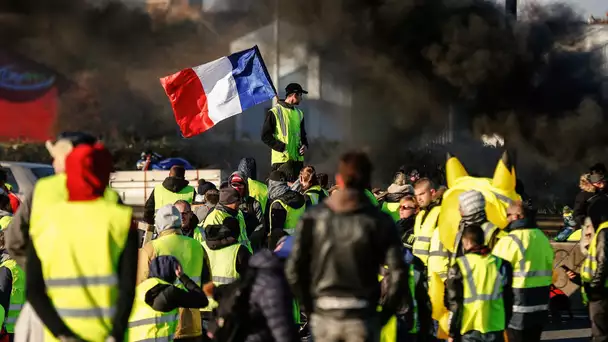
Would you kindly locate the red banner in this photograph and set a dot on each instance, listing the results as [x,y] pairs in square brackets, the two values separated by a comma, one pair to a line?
[28,99]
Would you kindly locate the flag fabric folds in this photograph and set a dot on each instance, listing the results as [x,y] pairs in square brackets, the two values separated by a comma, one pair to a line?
[204,95]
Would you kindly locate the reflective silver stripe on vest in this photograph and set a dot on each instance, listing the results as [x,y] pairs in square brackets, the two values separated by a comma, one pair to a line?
[153,320]
[423,238]
[340,303]
[10,320]
[503,198]
[529,309]
[489,227]
[442,275]
[196,279]
[441,253]
[95,312]
[82,281]
[281,120]
[496,293]
[522,263]
[15,307]
[223,280]
[588,270]
[533,274]
[591,258]
[421,252]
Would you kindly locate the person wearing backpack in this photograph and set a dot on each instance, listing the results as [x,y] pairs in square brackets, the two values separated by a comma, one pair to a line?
[257,307]
[155,313]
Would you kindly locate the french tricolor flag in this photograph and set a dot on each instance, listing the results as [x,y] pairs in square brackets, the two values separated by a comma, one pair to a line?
[207,94]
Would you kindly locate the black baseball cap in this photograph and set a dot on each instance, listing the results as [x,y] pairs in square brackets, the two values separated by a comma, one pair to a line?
[294,88]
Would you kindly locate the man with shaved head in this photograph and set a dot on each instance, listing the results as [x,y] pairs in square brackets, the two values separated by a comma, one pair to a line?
[174,188]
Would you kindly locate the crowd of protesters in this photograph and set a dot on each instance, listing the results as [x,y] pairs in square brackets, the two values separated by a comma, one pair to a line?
[277,258]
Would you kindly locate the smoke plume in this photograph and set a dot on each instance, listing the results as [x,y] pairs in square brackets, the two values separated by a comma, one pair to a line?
[408,63]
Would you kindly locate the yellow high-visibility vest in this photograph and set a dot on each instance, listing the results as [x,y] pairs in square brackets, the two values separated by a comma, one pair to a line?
[483,308]
[186,250]
[439,257]
[423,230]
[147,324]
[162,196]
[259,191]
[5,221]
[217,217]
[590,264]
[492,233]
[314,193]
[392,208]
[293,216]
[17,294]
[79,245]
[531,254]
[223,268]
[287,131]
[389,330]
[52,190]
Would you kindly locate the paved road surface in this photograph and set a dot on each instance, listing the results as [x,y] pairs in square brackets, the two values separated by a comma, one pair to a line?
[570,331]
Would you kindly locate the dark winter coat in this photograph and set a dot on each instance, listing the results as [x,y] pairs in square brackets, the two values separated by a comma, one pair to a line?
[339,247]
[454,297]
[170,183]
[270,302]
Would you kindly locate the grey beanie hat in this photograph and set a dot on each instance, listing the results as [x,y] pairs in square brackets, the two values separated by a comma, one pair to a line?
[471,202]
[167,217]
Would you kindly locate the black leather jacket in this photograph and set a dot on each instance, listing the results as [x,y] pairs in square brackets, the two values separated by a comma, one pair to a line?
[339,247]
[596,289]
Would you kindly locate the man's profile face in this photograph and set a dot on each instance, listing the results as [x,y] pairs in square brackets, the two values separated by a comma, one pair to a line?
[424,195]
[514,213]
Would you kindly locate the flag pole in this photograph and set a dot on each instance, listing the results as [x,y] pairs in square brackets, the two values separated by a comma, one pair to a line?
[277,57]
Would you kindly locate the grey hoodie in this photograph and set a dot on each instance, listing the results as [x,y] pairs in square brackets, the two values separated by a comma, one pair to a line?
[167,217]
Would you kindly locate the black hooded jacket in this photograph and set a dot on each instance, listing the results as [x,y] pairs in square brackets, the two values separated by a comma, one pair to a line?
[270,124]
[221,236]
[170,183]
[338,249]
[278,214]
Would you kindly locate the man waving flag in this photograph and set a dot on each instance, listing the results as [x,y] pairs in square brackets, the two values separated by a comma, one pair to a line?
[204,95]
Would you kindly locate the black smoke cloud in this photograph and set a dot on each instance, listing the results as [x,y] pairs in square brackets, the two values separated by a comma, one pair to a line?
[408,62]
[524,79]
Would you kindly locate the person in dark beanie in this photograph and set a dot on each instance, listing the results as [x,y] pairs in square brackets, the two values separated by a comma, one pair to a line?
[286,207]
[339,247]
[201,190]
[226,213]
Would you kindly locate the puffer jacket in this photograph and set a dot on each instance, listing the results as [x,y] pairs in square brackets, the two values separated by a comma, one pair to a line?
[337,274]
[270,302]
